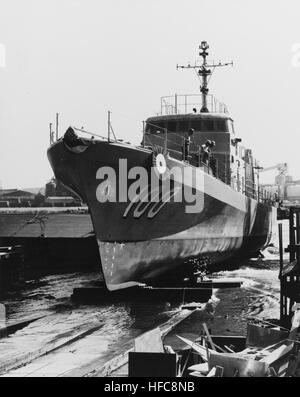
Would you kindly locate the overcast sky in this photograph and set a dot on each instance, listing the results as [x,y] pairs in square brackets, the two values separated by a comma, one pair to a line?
[83,57]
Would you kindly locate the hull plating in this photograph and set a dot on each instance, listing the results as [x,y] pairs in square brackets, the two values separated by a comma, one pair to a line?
[139,241]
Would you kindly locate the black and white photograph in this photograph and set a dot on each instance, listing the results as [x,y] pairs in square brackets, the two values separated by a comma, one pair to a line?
[149,191]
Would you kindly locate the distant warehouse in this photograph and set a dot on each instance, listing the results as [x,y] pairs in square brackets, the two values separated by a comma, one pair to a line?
[61,201]
[16,198]
[38,197]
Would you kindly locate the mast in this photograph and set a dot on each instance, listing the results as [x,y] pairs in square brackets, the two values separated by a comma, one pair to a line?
[204,71]
[56,126]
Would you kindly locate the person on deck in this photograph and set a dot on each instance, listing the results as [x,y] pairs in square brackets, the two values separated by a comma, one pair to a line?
[212,159]
[187,143]
[205,152]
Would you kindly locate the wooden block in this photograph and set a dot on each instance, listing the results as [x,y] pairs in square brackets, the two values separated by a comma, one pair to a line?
[278,353]
[234,363]
[203,368]
[197,374]
[152,365]
[295,320]
[219,372]
[211,373]
[202,351]
[272,372]
[261,337]
[208,336]
[149,342]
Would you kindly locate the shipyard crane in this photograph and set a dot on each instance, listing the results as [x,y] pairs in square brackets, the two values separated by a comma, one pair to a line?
[281,167]
[281,178]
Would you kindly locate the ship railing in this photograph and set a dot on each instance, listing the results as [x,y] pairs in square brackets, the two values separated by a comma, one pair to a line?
[182,104]
[111,136]
[258,193]
[92,134]
[266,196]
[250,189]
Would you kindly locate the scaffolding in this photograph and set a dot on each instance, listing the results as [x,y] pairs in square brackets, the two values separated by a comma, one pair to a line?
[289,274]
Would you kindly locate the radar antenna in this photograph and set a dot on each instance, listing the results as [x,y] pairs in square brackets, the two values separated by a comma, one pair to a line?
[204,71]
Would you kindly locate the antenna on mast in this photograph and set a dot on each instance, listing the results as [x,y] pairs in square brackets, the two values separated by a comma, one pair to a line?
[56,126]
[204,71]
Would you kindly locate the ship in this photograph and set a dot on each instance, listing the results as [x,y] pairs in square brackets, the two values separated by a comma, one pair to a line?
[187,196]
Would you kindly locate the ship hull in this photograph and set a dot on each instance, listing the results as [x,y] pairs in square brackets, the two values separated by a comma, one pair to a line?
[139,241]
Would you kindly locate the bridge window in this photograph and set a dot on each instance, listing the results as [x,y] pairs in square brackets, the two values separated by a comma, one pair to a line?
[208,125]
[155,127]
[183,126]
[172,126]
[221,125]
[196,125]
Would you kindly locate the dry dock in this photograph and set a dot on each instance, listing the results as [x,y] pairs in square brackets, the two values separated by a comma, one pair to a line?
[48,334]
[71,353]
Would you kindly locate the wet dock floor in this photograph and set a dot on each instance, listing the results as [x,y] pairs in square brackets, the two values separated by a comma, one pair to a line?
[77,335]
[107,329]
